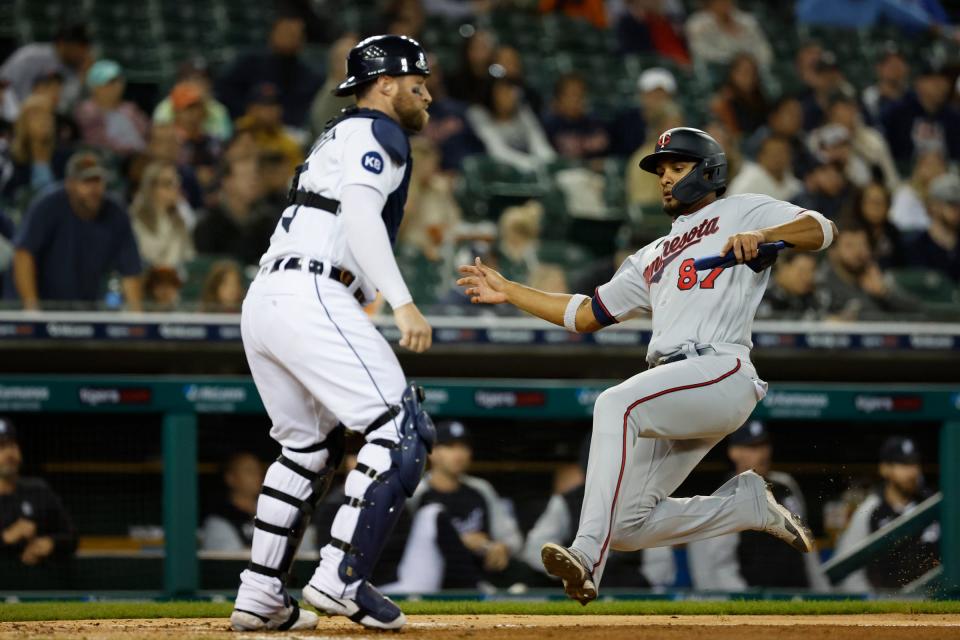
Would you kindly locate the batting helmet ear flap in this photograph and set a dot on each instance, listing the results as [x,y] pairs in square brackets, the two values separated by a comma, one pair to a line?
[706,177]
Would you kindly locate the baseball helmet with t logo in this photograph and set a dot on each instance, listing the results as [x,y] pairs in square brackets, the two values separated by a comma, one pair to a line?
[685,143]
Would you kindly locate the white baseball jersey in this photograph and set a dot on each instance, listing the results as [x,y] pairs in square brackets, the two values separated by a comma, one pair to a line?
[347,154]
[715,306]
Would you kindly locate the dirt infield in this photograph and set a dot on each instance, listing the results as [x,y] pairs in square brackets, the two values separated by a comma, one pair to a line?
[516,627]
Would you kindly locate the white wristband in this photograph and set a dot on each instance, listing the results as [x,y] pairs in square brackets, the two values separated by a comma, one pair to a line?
[825,226]
[570,313]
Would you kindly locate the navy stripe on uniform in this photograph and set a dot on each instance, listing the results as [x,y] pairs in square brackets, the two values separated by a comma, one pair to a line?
[600,312]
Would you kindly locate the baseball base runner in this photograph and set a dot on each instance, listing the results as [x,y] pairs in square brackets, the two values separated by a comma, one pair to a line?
[320,364]
[650,431]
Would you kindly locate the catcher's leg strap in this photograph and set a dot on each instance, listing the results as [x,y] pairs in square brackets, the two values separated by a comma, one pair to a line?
[299,502]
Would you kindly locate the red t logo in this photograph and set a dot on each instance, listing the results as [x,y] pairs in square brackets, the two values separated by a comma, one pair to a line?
[663,140]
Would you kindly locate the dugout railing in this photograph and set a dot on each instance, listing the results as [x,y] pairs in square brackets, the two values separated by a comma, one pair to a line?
[181,400]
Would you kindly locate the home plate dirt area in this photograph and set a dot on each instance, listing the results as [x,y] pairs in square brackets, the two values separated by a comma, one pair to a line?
[530,627]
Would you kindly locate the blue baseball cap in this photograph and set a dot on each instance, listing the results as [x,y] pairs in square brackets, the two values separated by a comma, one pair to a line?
[102,72]
[451,431]
[750,434]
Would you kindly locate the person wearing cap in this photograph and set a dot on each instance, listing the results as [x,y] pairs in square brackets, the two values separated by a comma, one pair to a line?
[633,128]
[199,150]
[281,64]
[938,247]
[70,52]
[924,118]
[901,490]
[573,132]
[35,528]
[719,31]
[105,119]
[216,122]
[749,559]
[72,238]
[264,119]
[478,513]
[893,80]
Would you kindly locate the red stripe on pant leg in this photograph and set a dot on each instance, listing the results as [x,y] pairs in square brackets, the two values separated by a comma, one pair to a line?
[623,452]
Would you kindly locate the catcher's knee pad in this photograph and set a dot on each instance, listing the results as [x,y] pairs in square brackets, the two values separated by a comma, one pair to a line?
[379,507]
[308,466]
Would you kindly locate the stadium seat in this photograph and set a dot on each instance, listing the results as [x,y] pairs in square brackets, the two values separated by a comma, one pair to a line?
[929,286]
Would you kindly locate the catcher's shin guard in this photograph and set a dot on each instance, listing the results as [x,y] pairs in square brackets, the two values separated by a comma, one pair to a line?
[380,503]
[317,484]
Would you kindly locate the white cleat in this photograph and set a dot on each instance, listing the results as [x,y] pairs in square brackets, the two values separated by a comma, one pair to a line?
[787,526]
[369,607]
[567,565]
[291,618]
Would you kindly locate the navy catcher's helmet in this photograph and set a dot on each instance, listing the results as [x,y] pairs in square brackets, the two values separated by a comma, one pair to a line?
[382,55]
[684,143]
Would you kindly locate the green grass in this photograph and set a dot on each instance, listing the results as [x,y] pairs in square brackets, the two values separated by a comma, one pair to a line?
[16,612]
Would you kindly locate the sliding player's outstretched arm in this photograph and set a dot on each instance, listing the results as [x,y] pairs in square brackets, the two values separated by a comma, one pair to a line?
[486,286]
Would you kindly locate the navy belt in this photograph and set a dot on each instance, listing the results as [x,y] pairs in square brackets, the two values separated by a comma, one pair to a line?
[700,350]
[316,267]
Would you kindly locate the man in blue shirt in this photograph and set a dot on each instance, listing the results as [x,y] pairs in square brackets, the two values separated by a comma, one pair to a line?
[72,237]
[924,118]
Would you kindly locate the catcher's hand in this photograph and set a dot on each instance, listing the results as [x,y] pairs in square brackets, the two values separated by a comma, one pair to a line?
[482,284]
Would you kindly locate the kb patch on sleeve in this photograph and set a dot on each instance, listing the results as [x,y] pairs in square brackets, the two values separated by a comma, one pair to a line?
[372,162]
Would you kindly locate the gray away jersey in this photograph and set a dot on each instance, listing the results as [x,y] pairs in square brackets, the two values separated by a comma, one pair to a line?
[714,306]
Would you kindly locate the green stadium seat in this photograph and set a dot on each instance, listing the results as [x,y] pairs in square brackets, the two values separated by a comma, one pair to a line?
[929,286]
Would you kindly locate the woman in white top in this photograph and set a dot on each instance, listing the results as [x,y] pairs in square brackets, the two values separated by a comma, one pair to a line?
[508,128]
[162,218]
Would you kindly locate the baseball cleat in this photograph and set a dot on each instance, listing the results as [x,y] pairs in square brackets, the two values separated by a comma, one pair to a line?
[787,526]
[369,607]
[290,618]
[567,565]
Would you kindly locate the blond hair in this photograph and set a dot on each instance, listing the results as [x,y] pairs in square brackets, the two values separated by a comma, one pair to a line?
[20,148]
[142,208]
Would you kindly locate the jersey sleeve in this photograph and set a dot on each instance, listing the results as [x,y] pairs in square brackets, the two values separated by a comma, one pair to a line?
[367,163]
[627,292]
[759,212]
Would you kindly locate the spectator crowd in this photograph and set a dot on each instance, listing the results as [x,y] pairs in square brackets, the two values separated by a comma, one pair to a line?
[164,204]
